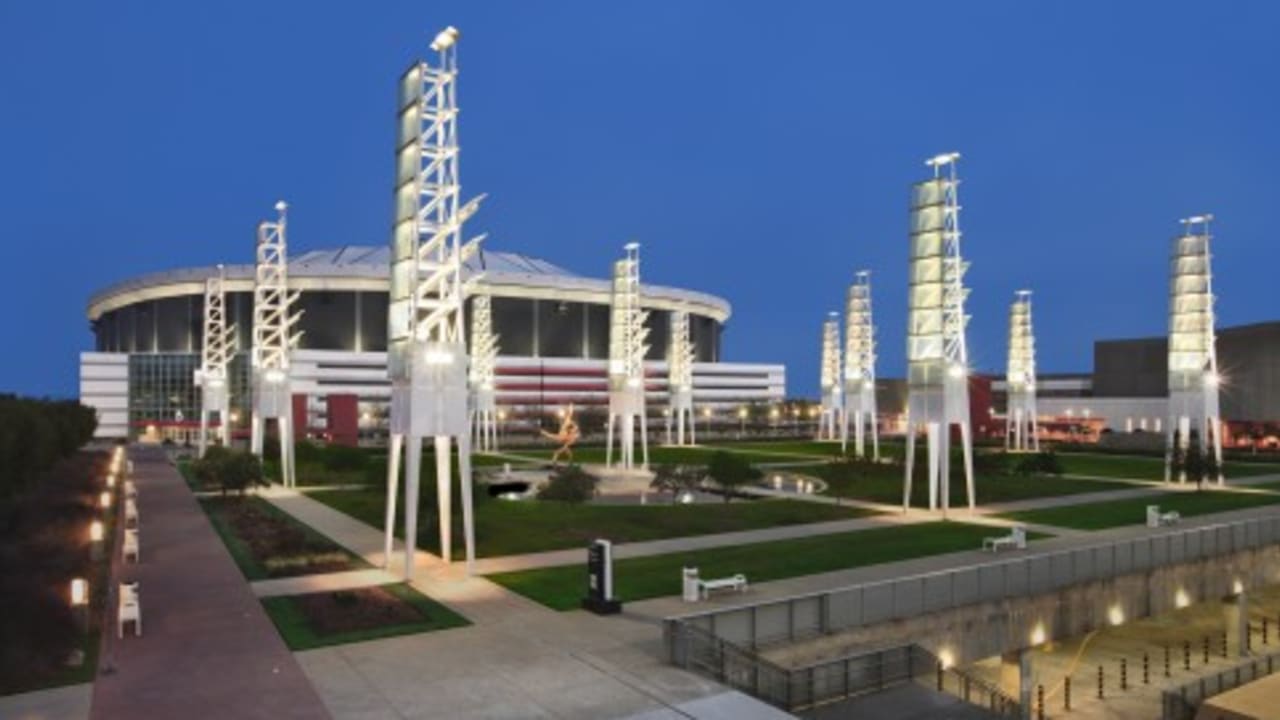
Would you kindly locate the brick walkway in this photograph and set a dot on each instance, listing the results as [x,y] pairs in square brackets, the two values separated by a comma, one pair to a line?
[208,649]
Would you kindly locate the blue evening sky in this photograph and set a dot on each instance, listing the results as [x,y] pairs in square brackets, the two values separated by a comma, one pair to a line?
[759,151]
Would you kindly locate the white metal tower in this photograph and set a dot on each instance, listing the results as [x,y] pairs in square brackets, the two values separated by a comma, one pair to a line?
[1021,432]
[218,345]
[274,337]
[937,359]
[832,400]
[483,375]
[627,348]
[1193,359]
[680,357]
[860,369]
[427,353]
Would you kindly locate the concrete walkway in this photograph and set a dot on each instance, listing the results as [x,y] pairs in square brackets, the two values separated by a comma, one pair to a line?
[62,703]
[208,649]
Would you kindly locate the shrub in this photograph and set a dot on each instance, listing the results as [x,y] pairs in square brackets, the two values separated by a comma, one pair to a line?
[228,469]
[569,484]
[675,479]
[731,471]
[1041,463]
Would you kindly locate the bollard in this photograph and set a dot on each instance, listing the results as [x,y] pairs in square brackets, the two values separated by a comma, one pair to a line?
[1264,631]
[1224,643]
[1124,674]
[1248,637]
[1066,693]
[1166,661]
[1186,654]
[1040,702]
[1146,670]
[1206,649]
[1099,682]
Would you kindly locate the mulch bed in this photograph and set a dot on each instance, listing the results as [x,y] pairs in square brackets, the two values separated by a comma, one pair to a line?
[332,613]
[278,544]
[44,543]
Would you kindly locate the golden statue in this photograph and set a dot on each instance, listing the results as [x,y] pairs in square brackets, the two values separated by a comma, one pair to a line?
[567,436]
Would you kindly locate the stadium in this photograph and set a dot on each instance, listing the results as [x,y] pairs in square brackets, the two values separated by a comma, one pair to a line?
[552,327]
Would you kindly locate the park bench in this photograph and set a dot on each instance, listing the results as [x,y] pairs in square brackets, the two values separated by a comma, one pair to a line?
[1156,519]
[130,490]
[1016,539]
[734,582]
[131,513]
[130,609]
[130,549]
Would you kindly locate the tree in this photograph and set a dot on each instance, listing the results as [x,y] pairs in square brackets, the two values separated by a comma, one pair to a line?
[675,479]
[730,471]
[570,484]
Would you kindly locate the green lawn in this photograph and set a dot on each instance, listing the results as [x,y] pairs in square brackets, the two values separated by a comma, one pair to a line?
[516,527]
[280,546]
[300,631]
[562,588]
[1133,511]
[1140,467]
[883,483]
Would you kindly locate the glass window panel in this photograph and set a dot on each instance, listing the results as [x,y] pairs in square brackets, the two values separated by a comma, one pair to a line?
[411,85]
[929,192]
[928,219]
[410,126]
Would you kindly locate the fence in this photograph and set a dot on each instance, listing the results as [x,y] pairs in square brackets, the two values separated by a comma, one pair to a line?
[1027,575]
[828,681]
[1182,702]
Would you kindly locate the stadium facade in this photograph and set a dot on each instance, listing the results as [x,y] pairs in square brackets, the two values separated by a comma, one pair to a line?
[552,327]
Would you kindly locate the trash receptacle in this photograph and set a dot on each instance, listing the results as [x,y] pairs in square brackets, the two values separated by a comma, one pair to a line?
[690,587]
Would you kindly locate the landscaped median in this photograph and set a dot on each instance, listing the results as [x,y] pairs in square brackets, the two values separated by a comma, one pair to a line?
[563,587]
[266,542]
[1133,511]
[1144,467]
[346,616]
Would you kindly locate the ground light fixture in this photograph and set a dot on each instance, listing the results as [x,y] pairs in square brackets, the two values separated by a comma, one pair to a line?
[1038,634]
[96,531]
[104,500]
[79,592]
[1115,614]
[1181,599]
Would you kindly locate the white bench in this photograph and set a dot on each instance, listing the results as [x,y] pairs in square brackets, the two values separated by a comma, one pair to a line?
[131,514]
[1016,539]
[130,610]
[131,545]
[1156,519]
[734,582]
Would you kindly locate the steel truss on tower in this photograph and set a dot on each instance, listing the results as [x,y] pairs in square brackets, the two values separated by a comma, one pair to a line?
[274,338]
[680,357]
[1021,432]
[483,375]
[937,358]
[426,353]
[1193,359]
[217,348]
[860,369]
[627,348]
[829,380]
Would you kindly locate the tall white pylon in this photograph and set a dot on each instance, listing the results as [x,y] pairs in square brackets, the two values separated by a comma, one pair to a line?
[937,358]
[680,357]
[1193,359]
[627,348]
[426,348]
[483,375]
[829,381]
[218,345]
[860,370]
[274,338]
[1021,431]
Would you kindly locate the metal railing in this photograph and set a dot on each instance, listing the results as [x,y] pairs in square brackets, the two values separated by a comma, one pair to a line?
[1181,703]
[827,681]
[1029,574]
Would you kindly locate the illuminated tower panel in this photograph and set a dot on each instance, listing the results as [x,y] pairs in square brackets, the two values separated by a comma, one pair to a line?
[1020,431]
[217,348]
[1193,359]
[483,375]
[860,369]
[627,348]
[426,353]
[273,340]
[829,379]
[937,358]
[680,356]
